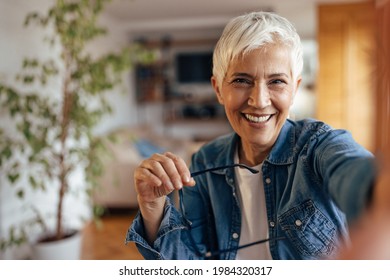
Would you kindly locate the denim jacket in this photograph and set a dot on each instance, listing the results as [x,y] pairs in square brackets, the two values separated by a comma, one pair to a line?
[316,180]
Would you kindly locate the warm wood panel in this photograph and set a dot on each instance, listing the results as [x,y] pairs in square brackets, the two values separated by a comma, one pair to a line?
[383,85]
[346,80]
[382,139]
[370,238]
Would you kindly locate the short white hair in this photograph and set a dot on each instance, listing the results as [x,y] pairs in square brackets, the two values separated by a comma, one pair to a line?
[251,31]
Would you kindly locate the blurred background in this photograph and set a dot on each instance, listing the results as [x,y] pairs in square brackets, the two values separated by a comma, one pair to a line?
[169,104]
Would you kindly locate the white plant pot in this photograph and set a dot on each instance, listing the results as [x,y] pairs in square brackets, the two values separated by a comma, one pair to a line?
[65,249]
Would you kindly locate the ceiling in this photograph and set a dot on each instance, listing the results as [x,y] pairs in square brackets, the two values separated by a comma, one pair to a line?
[157,16]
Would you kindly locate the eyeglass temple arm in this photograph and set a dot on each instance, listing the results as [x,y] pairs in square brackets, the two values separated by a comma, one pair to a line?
[252,170]
[210,254]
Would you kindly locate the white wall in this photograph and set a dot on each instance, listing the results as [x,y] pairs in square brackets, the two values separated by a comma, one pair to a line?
[123,98]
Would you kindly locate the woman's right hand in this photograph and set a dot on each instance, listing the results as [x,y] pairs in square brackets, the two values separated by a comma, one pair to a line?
[159,175]
[155,178]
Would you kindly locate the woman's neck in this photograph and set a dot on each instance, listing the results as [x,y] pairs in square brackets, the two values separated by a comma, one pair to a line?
[251,156]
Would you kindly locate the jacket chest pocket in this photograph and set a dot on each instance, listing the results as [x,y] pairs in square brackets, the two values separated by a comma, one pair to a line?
[310,231]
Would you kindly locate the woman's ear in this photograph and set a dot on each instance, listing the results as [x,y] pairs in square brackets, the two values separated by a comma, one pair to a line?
[217,90]
[298,82]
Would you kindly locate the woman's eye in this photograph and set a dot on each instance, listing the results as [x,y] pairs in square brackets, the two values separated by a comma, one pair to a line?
[278,81]
[241,81]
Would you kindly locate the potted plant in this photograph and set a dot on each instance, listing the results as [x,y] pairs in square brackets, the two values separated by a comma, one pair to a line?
[52,136]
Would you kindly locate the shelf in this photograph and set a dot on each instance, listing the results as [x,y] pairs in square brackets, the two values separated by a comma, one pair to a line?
[197,121]
[196,129]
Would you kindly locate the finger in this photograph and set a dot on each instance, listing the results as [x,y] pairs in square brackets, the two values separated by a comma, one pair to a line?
[143,175]
[151,172]
[169,164]
[181,166]
[149,186]
[162,167]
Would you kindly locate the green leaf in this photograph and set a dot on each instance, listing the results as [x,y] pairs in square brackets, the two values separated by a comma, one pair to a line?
[28,79]
[29,18]
[20,194]
[26,130]
[12,96]
[32,181]
[13,177]
[6,152]
[98,210]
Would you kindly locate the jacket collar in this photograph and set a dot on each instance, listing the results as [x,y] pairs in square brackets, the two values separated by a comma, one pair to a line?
[281,153]
[283,150]
[221,153]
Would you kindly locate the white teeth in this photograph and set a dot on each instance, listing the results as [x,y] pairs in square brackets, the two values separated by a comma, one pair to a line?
[257,119]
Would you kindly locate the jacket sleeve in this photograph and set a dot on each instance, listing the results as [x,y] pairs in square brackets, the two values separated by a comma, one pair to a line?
[172,242]
[347,169]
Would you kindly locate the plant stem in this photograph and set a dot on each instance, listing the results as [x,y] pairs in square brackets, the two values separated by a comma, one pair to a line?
[66,108]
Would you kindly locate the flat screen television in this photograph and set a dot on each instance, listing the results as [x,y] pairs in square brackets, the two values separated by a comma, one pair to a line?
[193,67]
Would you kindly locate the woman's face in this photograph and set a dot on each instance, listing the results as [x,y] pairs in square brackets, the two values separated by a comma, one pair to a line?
[257,93]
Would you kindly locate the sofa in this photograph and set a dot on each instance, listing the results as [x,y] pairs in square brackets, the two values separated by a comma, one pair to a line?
[127,149]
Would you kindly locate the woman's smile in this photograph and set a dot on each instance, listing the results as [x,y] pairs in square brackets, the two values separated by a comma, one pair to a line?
[257,119]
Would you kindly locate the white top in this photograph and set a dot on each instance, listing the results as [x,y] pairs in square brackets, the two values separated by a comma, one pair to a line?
[254,224]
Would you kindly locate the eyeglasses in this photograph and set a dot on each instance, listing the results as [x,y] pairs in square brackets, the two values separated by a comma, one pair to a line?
[211,254]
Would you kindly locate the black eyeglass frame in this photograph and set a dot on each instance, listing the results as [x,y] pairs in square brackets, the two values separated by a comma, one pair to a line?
[210,254]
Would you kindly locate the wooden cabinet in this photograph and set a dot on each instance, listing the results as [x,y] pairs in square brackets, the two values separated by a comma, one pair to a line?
[346,74]
[382,105]
[151,82]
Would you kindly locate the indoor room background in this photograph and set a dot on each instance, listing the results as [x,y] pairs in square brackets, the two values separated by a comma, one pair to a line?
[170,105]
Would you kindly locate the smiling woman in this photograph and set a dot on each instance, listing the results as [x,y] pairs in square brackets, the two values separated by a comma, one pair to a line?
[312,180]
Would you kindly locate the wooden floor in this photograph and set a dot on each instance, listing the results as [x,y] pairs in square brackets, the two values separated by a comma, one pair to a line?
[108,242]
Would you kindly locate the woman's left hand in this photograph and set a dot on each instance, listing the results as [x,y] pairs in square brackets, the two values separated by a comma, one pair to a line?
[370,236]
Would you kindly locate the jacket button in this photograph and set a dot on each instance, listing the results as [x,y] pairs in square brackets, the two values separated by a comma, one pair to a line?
[235,235]
[268,180]
[272,224]
[298,223]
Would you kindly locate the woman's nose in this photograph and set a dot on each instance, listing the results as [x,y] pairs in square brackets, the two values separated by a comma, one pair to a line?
[259,97]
